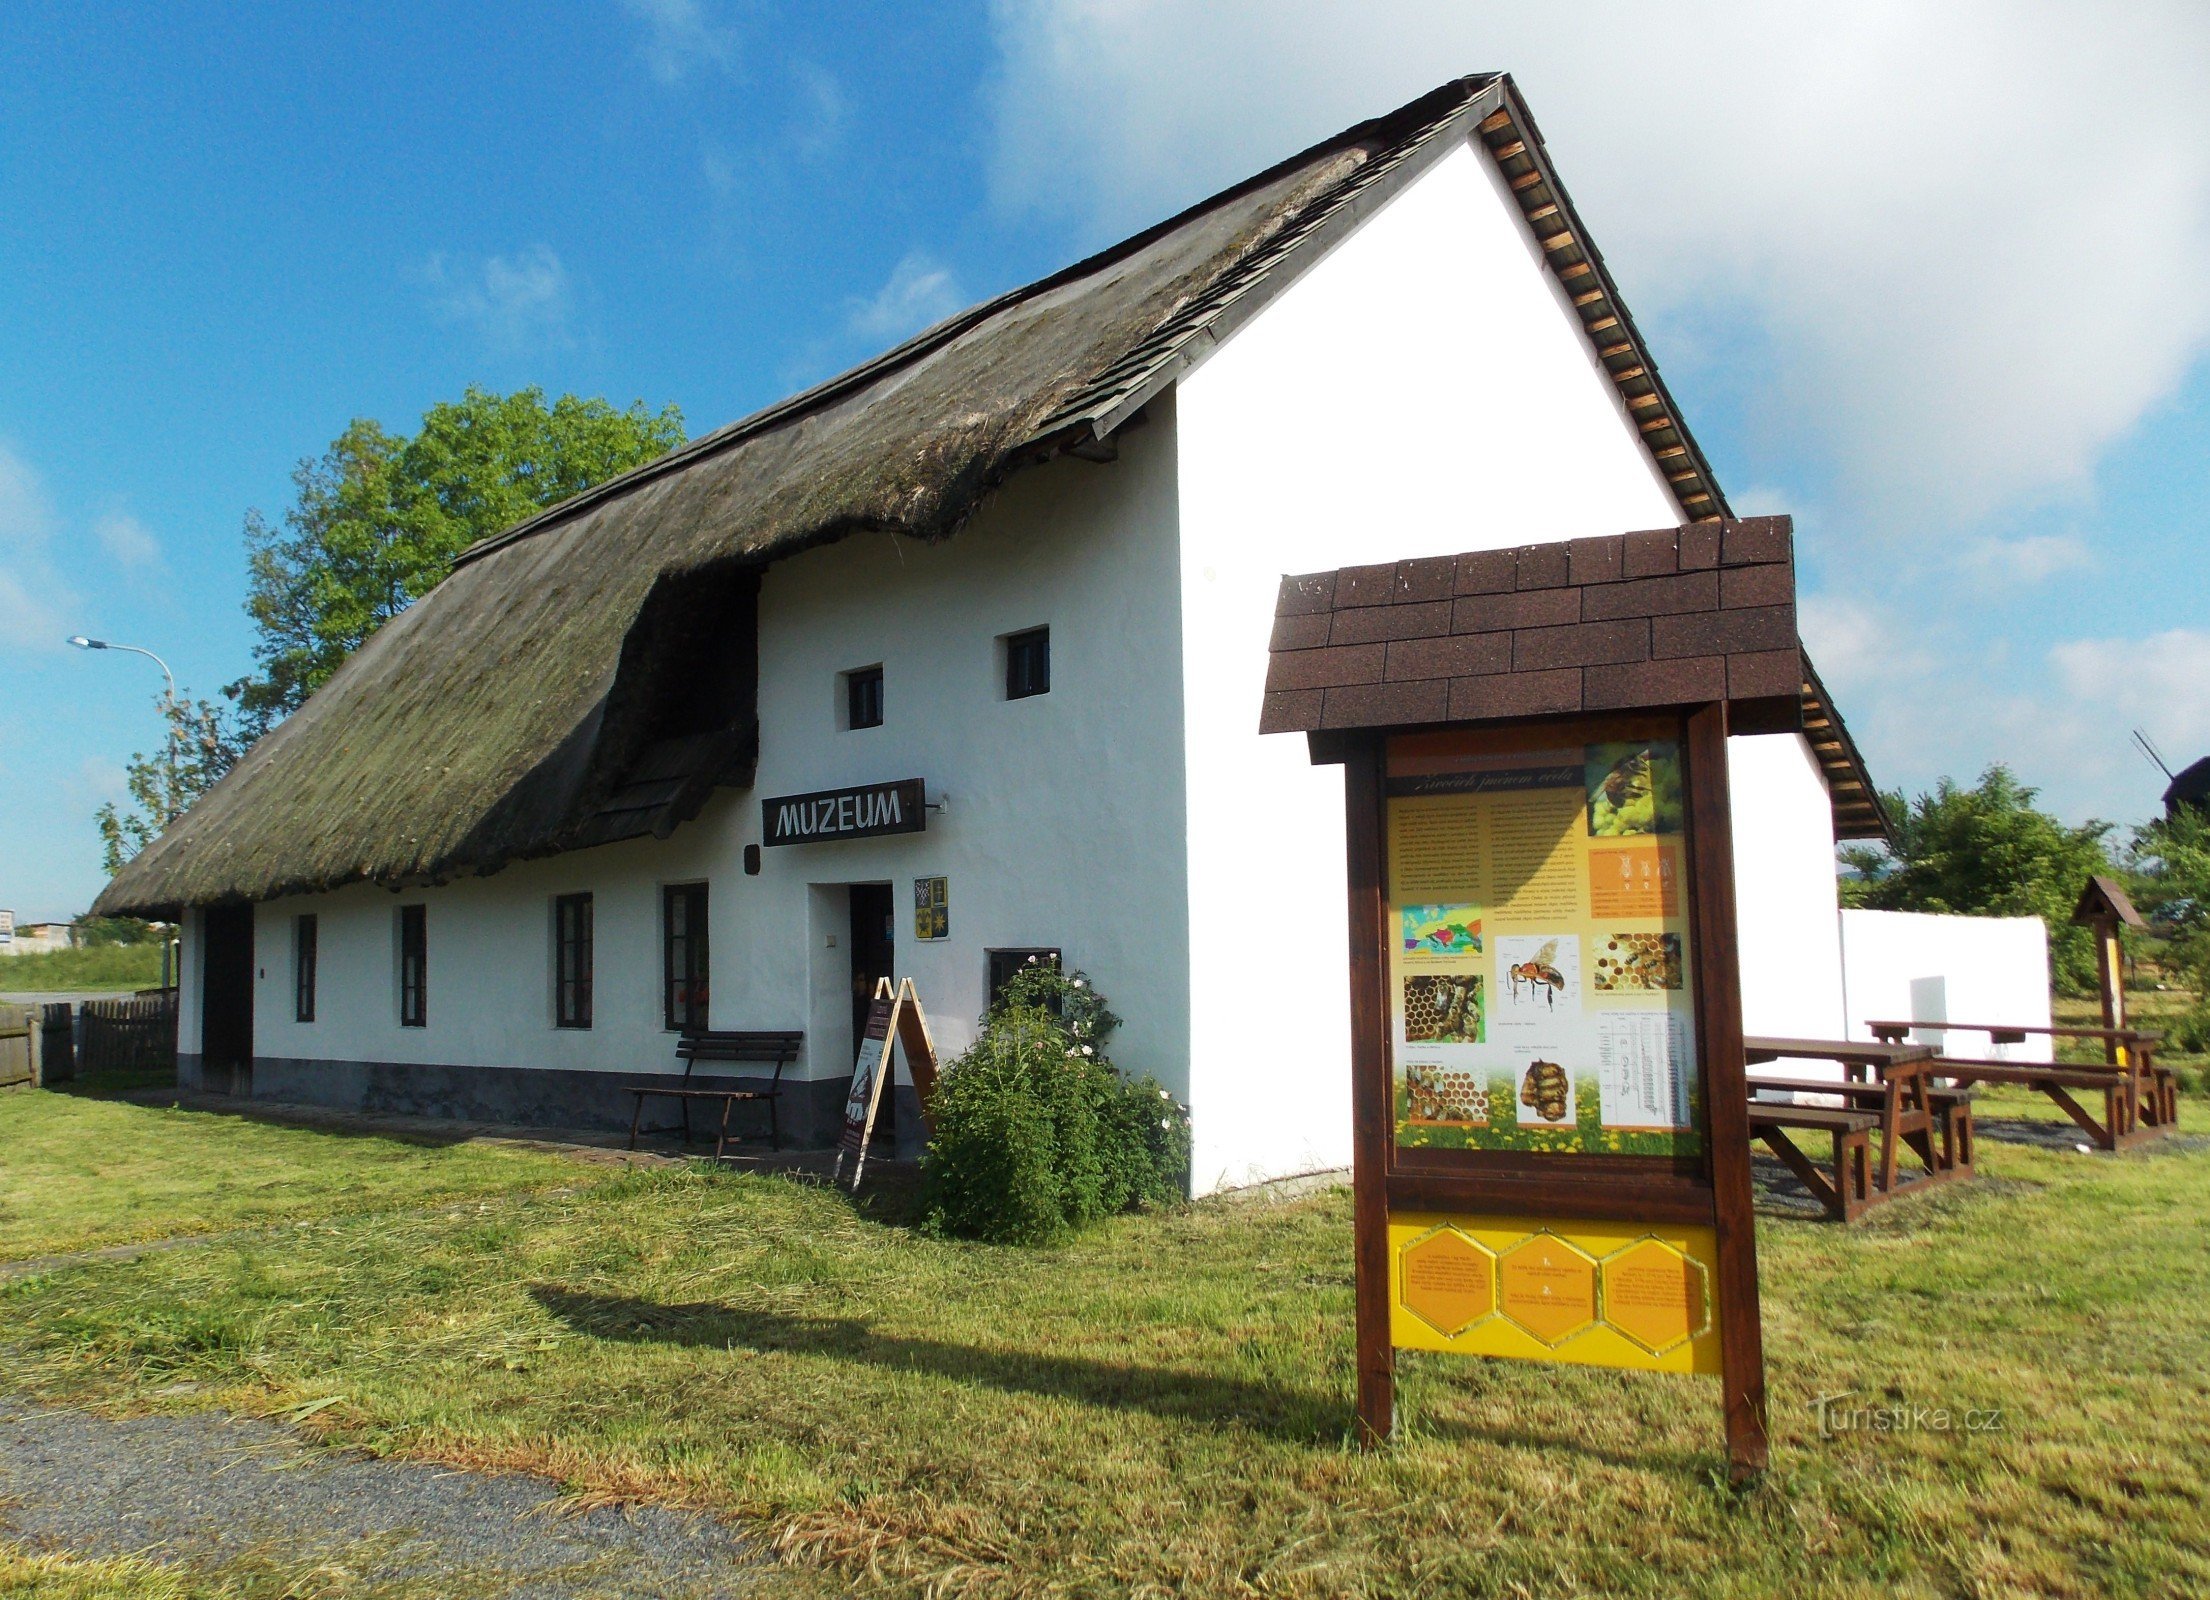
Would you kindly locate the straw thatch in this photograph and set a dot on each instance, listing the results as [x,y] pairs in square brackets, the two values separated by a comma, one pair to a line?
[515,710]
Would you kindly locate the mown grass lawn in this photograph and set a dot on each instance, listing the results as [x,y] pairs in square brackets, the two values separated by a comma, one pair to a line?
[1159,1407]
[78,1172]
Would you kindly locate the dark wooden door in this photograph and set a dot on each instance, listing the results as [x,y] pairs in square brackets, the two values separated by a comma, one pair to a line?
[874,954]
[226,998]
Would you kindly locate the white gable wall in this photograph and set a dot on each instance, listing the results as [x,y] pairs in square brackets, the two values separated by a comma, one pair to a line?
[1424,390]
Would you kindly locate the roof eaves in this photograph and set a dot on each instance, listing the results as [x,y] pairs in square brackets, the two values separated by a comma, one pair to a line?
[1516,145]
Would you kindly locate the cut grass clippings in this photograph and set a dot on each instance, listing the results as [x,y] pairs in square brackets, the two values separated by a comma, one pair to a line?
[1160,1406]
[79,1173]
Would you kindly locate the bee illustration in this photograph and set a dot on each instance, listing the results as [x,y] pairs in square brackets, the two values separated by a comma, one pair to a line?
[1540,973]
[1545,1089]
[1628,779]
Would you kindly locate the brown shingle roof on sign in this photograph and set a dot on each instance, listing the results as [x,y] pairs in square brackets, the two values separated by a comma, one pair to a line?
[1530,639]
[1656,618]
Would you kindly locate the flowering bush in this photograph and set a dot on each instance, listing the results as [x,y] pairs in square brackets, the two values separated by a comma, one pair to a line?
[1036,1133]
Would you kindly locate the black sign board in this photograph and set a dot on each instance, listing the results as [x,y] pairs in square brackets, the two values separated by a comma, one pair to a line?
[862,813]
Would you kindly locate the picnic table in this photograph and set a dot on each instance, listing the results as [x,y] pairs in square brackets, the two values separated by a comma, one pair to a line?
[2140,1099]
[1887,1087]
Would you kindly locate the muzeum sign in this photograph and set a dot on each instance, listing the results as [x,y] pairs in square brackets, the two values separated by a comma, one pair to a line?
[864,812]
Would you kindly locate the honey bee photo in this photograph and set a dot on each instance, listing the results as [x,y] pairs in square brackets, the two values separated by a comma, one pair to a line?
[1443,1094]
[1545,1090]
[1633,789]
[1539,975]
[1443,1008]
[1637,963]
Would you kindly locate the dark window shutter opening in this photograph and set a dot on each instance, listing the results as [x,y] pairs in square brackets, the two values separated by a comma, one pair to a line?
[572,961]
[414,967]
[683,956]
[863,698]
[1027,663]
[304,934]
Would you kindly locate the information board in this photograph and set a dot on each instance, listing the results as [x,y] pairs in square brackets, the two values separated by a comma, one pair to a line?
[1550,1113]
[1538,995]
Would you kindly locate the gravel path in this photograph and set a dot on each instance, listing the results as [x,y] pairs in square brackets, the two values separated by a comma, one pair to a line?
[209,1490]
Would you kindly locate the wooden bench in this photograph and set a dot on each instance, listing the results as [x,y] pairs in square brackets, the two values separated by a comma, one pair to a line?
[2140,1098]
[692,1048]
[1945,1147]
[1850,1191]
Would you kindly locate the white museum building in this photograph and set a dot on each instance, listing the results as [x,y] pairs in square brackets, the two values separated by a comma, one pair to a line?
[985,622]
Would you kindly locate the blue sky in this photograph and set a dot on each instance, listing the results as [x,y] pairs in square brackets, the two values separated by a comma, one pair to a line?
[1970,358]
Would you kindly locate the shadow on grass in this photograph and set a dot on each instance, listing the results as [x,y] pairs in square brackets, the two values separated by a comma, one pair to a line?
[1208,1399]
[1295,1416]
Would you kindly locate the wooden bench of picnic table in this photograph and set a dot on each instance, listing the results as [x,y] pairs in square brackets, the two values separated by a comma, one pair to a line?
[2140,1098]
[1901,1093]
[1850,1191]
[717,1047]
[1950,1105]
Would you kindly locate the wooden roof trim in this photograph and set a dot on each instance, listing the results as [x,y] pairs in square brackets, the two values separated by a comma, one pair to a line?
[1515,144]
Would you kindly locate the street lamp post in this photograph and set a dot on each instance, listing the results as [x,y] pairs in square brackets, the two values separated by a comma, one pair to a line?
[168,798]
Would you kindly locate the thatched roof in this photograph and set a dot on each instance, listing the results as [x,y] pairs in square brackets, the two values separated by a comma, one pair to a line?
[511,711]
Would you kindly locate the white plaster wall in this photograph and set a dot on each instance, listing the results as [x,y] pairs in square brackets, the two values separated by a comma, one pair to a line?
[1907,965]
[1063,829]
[1424,390]
[1785,895]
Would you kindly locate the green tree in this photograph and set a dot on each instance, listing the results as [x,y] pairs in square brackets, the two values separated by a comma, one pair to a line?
[200,744]
[1987,851]
[2170,858]
[379,517]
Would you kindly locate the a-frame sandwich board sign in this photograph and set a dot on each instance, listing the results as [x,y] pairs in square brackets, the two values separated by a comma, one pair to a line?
[894,1017]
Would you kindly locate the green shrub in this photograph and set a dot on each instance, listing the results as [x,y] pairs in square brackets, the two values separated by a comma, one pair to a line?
[1036,1134]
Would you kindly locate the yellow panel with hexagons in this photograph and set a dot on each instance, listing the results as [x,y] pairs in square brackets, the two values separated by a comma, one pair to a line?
[1594,1293]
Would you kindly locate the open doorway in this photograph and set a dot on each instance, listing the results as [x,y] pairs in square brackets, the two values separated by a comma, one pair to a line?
[226,999]
[874,954]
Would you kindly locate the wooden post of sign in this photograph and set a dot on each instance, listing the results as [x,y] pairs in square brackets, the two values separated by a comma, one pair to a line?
[1371,1094]
[2104,908]
[1718,968]
[894,1018]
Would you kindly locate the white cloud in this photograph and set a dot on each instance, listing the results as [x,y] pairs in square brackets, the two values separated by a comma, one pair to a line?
[920,291]
[2156,682]
[682,37]
[1853,645]
[1975,237]
[33,597]
[130,544]
[2032,558]
[823,110]
[521,304]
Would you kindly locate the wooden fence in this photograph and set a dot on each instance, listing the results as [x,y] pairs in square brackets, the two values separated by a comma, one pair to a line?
[129,1035]
[16,1023]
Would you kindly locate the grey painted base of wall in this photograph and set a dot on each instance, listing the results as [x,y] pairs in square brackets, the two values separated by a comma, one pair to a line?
[811,1113]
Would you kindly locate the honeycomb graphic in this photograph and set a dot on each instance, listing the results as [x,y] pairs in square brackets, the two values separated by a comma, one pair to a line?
[1443,1006]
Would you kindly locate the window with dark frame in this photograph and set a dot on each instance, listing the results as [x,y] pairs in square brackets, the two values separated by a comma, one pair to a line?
[1005,963]
[572,961]
[414,967]
[863,698]
[683,952]
[303,969]
[1027,663]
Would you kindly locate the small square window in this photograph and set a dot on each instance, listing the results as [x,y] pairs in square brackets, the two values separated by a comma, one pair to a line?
[863,698]
[1027,663]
